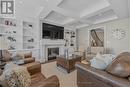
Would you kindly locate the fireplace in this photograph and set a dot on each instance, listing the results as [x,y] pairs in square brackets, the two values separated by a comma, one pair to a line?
[52,53]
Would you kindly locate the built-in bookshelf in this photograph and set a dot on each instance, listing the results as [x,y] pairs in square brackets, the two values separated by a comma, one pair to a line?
[8,31]
[70,38]
[28,36]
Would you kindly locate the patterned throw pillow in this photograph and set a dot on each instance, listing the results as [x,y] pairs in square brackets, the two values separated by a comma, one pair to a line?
[23,77]
[18,77]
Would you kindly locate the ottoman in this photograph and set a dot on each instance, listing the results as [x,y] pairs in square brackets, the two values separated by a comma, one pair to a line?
[33,68]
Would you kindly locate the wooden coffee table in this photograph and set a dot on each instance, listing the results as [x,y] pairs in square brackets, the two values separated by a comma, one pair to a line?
[68,63]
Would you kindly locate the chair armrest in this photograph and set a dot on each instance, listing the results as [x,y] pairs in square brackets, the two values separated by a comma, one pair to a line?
[52,81]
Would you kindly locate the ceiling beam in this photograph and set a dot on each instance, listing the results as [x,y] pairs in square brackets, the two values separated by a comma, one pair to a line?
[120,8]
[49,7]
[66,12]
[98,11]
[82,18]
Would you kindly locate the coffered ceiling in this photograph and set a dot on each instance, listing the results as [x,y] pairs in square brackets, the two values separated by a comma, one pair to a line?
[74,13]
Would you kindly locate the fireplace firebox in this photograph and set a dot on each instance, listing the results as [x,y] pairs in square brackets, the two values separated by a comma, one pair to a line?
[53,53]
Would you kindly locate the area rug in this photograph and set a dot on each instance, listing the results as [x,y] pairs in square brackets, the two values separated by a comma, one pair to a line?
[66,79]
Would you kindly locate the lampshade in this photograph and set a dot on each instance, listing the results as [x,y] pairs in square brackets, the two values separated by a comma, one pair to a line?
[3,43]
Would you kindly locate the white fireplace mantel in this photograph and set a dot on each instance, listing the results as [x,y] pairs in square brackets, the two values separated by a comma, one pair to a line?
[47,43]
[50,42]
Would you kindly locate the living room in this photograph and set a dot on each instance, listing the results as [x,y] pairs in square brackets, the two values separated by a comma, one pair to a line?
[64,43]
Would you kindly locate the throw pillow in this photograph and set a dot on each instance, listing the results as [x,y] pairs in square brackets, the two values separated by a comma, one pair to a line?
[23,77]
[120,66]
[108,58]
[17,77]
[98,63]
[102,61]
[98,55]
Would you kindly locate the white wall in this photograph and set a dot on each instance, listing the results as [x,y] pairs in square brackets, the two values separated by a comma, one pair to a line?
[82,38]
[114,45]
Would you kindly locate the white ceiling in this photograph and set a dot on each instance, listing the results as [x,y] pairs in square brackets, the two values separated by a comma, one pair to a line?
[73,13]
[54,16]
[29,8]
[80,5]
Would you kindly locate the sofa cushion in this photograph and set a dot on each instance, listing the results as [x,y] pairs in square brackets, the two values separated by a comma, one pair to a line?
[28,55]
[120,66]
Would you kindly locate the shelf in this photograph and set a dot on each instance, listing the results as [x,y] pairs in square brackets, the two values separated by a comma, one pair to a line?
[23,50]
[29,42]
[29,36]
[27,28]
[9,30]
[7,26]
[7,34]
[2,33]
